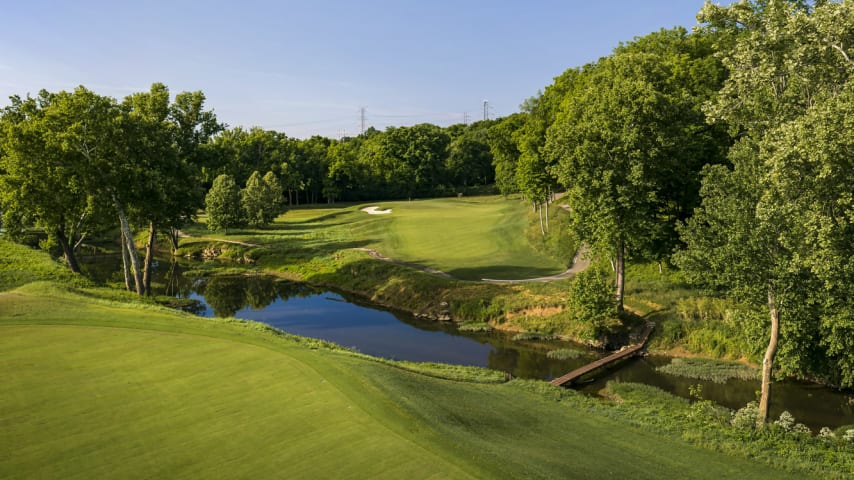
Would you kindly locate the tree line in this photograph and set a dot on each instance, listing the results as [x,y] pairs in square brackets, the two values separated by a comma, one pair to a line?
[725,151]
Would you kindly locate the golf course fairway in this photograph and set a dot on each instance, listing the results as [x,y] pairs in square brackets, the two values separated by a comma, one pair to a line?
[468,238]
[97,388]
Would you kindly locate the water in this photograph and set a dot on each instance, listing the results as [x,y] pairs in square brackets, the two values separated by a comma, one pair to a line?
[349,321]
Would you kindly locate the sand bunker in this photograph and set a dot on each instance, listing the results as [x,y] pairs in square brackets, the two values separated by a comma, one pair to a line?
[376,211]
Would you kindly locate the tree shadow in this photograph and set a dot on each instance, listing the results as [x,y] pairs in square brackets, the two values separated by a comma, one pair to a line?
[502,272]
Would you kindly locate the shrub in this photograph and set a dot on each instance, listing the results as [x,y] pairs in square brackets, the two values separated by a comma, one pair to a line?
[564,354]
[474,327]
[707,369]
[532,336]
[745,417]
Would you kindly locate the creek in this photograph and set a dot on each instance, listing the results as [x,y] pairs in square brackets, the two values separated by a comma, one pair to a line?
[352,322]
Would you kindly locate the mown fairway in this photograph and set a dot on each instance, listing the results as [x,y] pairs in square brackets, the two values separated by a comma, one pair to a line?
[470,238]
[97,389]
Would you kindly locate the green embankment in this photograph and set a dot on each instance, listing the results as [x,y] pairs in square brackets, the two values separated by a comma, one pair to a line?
[93,388]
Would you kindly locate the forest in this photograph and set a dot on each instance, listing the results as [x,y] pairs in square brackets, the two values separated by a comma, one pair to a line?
[724,151]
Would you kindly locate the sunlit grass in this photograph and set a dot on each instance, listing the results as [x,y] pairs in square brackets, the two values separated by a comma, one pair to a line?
[97,388]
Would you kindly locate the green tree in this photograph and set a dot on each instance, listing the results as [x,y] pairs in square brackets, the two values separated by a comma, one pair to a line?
[630,140]
[469,160]
[505,152]
[275,199]
[193,131]
[222,204]
[261,199]
[757,236]
[39,185]
[253,200]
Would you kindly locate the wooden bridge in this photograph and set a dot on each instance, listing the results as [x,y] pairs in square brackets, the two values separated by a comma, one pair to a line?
[624,353]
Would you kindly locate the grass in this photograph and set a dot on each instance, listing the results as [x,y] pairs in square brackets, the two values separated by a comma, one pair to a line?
[94,387]
[469,238]
[20,265]
[318,245]
[708,369]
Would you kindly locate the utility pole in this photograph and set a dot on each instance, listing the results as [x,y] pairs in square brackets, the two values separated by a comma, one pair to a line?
[486,109]
[362,112]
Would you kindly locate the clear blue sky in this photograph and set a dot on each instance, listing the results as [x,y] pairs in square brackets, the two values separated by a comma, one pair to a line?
[307,67]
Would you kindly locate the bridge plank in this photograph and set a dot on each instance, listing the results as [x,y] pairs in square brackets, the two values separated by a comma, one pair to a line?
[631,350]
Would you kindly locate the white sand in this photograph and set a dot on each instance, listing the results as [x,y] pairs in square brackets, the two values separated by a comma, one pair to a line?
[376,211]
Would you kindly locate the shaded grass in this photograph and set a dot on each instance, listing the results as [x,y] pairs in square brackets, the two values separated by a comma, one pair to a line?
[95,388]
[20,265]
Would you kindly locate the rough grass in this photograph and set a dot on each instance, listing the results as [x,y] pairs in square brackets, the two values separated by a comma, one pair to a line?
[97,388]
[707,369]
[20,265]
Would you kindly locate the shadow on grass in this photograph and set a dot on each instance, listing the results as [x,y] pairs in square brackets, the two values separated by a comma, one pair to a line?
[314,220]
[502,272]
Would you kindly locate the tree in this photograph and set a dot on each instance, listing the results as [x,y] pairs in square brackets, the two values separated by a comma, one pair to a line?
[193,131]
[40,185]
[222,204]
[752,238]
[261,199]
[275,199]
[505,152]
[469,160]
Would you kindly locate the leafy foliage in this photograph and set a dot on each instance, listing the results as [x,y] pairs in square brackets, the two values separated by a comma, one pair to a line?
[222,204]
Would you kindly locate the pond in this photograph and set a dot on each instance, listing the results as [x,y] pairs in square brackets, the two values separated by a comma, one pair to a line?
[351,322]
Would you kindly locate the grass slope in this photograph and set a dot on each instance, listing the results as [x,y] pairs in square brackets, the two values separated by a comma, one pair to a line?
[94,388]
[469,238]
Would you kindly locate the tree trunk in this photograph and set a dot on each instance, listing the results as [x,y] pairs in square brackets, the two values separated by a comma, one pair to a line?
[125,262]
[542,230]
[174,239]
[768,360]
[547,214]
[67,251]
[149,253]
[620,269]
[134,256]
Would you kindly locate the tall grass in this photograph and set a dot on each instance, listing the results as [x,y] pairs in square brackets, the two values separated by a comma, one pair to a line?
[707,369]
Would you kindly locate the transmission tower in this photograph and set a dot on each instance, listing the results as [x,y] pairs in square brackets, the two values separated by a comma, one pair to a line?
[486,109]
[362,114]
[466,118]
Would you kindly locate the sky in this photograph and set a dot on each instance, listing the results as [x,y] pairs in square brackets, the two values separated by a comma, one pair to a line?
[309,67]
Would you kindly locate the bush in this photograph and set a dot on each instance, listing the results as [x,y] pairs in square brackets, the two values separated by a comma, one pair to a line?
[564,354]
[532,336]
[707,369]
[745,417]
[474,327]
